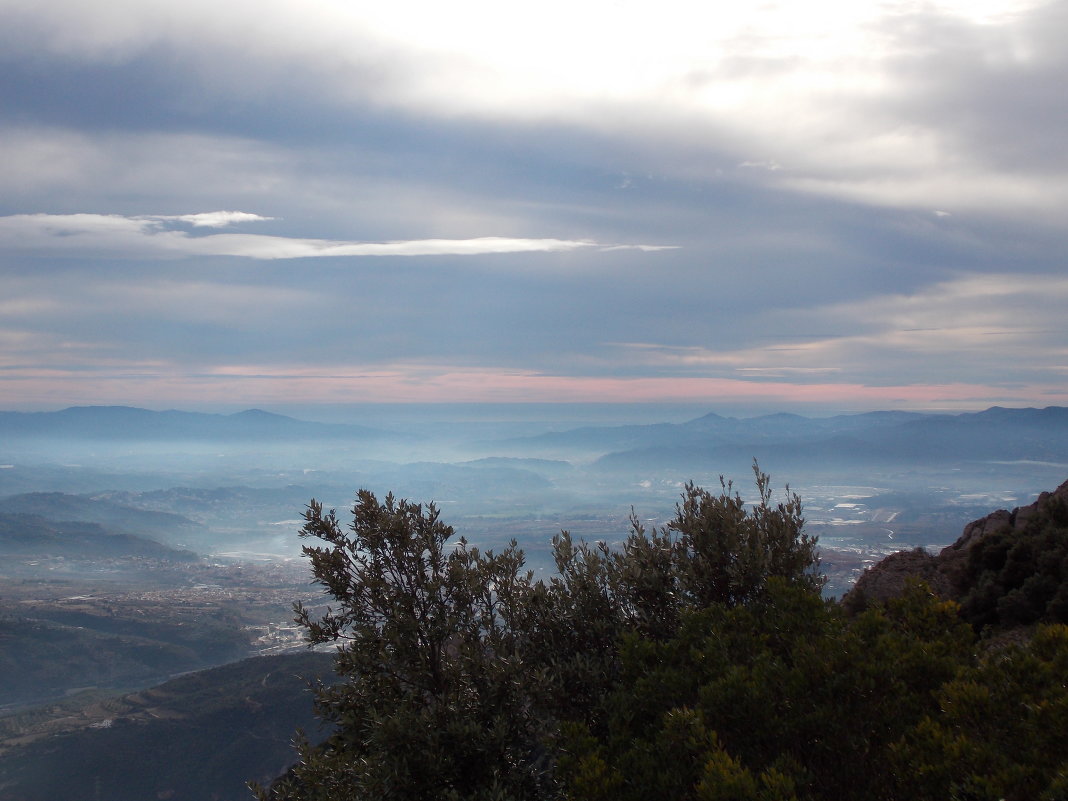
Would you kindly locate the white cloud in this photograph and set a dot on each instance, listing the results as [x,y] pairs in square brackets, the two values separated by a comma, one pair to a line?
[145,236]
[211,219]
[770,166]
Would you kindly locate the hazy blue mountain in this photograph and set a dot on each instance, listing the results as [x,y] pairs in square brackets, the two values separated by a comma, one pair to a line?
[544,467]
[60,506]
[187,503]
[712,430]
[997,433]
[597,438]
[32,536]
[40,475]
[795,427]
[127,423]
[877,437]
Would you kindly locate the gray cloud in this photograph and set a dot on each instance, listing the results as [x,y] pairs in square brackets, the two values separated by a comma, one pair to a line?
[836,192]
[990,90]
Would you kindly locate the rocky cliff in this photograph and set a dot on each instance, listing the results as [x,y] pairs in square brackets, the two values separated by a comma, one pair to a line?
[980,557]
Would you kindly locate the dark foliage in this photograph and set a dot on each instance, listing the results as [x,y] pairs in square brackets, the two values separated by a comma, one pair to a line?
[1019,577]
[196,737]
[697,661]
[436,702]
[103,651]
[459,668]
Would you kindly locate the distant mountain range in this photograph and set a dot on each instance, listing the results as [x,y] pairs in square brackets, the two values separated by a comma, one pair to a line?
[875,437]
[32,536]
[38,524]
[127,423]
[706,442]
[61,506]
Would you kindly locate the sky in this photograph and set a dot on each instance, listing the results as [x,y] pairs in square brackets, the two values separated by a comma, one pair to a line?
[825,206]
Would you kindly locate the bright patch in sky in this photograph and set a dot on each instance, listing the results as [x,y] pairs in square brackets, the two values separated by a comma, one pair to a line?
[146,236]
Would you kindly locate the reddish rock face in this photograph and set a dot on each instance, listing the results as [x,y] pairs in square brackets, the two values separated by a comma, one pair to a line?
[944,573]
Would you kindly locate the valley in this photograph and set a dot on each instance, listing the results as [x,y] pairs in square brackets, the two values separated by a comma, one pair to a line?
[129,563]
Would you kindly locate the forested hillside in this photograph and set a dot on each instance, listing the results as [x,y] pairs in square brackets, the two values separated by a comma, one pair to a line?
[699,661]
[195,738]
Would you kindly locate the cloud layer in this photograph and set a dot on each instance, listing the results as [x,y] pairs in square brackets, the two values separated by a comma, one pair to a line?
[149,236]
[852,204]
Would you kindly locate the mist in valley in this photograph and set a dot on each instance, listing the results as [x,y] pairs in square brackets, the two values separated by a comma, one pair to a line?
[143,549]
[236,484]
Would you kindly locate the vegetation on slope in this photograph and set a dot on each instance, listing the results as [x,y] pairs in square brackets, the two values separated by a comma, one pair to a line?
[47,649]
[1019,575]
[195,738]
[696,662]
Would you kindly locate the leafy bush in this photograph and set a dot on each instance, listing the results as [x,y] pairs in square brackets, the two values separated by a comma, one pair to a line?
[697,661]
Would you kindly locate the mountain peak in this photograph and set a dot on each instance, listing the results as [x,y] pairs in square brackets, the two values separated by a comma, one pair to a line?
[259,414]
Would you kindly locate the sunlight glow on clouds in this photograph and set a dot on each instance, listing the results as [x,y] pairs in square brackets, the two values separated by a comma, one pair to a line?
[153,384]
[825,90]
[145,236]
[210,219]
[947,330]
[1009,344]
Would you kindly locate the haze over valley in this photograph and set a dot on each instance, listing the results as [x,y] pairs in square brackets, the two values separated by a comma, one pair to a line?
[235,486]
[140,545]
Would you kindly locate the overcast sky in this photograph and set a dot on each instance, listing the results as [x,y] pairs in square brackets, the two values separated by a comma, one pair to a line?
[807,206]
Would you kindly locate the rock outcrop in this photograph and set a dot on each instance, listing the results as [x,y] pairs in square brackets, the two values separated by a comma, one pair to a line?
[946,573]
